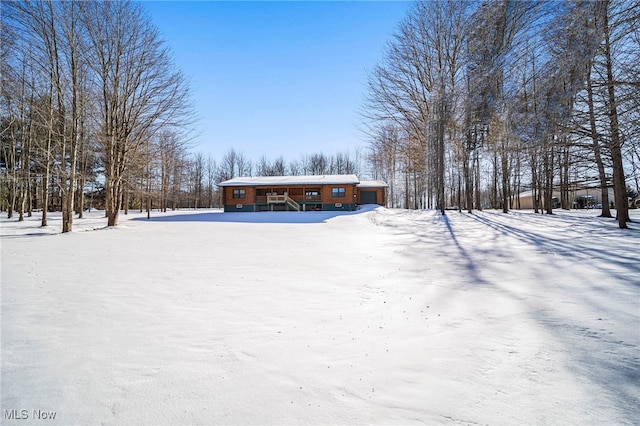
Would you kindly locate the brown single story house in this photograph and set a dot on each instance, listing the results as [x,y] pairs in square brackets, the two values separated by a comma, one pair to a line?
[300,193]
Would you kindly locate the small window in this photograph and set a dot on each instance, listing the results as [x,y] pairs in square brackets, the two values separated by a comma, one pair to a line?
[337,192]
[311,194]
[238,194]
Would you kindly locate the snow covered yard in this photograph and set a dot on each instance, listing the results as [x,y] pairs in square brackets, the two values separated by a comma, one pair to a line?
[383,317]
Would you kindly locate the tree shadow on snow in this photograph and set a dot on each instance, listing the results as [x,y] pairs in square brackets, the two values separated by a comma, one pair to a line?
[617,371]
[592,338]
[577,249]
[29,234]
[470,266]
[257,217]
[597,348]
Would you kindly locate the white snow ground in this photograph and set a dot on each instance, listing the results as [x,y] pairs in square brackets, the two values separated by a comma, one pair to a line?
[380,317]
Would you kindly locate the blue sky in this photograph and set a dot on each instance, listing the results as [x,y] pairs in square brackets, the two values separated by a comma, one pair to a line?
[277,78]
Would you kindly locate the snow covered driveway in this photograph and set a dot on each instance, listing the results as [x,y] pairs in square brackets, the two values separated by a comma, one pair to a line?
[383,317]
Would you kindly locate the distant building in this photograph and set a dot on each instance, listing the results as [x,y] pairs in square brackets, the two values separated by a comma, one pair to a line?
[583,198]
[300,193]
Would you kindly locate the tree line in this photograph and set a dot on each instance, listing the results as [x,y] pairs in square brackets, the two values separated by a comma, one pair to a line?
[90,97]
[476,102]
[472,103]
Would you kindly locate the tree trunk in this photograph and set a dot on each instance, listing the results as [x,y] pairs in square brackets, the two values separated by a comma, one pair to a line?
[504,158]
[548,176]
[45,180]
[619,181]
[595,137]
[477,179]
[466,170]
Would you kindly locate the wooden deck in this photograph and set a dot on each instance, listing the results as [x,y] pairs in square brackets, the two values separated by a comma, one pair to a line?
[283,199]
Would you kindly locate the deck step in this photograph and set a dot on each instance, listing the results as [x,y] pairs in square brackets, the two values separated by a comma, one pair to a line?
[283,199]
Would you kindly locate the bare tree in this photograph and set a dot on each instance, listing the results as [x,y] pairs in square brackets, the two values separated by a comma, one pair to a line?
[197,178]
[615,141]
[38,43]
[228,168]
[141,91]
[318,164]
[211,173]
[415,87]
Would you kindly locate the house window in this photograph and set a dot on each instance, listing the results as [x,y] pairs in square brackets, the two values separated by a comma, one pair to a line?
[311,194]
[337,192]
[238,194]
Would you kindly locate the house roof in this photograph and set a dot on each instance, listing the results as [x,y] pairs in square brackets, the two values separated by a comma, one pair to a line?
[373,184]
[292,180]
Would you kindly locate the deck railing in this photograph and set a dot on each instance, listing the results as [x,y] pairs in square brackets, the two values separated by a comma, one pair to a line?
[283,199]
[297,198]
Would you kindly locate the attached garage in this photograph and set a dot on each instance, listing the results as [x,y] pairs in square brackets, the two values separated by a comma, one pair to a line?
[372,192]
